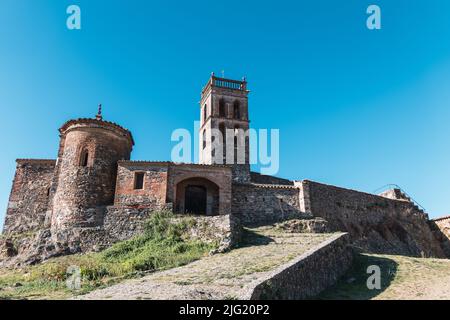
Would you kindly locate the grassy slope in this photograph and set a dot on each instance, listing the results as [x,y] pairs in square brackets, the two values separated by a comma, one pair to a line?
[402,278]
[162,246]
[221,276]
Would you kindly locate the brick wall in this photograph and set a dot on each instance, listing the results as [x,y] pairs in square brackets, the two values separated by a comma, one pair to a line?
[29,196]
[153,194]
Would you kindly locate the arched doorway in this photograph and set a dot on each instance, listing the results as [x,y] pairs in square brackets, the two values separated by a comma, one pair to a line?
[197,196]
[195,199]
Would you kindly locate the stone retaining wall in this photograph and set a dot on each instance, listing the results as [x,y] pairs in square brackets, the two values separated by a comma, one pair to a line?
[124,223]
[376,224]
[307,275]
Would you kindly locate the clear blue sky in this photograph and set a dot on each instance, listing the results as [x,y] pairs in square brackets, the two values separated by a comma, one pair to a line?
[355,108]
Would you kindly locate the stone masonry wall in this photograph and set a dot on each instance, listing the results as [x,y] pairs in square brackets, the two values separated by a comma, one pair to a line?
[124,223]
[265,179]
[308,275]
[444,225]
[29,196]
[441,230]
[375,223]
[83,191]
[153,194]
[261,204]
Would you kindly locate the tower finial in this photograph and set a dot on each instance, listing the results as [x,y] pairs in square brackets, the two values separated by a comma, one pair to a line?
[99,113]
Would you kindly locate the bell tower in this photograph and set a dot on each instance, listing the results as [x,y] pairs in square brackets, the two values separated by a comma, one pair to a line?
[224,125]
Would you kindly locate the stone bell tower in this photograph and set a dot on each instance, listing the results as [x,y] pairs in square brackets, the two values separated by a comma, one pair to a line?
[224,125]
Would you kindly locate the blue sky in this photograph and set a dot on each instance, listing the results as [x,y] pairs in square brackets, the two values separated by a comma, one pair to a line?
[355,108]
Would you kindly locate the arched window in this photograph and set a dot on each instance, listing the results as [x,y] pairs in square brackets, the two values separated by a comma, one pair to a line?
[84,158]
[236,110]
[204,139]
[224,141]
[236,143]
[221,108]
[205,112]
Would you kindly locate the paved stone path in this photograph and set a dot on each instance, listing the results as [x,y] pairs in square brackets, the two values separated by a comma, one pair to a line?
[221,276]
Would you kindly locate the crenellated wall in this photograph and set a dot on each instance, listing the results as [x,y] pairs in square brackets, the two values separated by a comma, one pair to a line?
[28,201]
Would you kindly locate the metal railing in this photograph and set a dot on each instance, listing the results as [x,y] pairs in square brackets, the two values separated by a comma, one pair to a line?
[227,83]
[391,186]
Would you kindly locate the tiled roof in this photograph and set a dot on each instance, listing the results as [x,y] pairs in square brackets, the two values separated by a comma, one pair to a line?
[441,218]
[172,163]
[96,121]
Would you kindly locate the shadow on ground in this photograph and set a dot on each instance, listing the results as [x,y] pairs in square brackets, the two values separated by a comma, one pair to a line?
[251,238]
[353,285]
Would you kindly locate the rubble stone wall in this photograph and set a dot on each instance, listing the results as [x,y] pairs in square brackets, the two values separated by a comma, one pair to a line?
[261,204]
[83,190]
[308,275]
[441,230]
[29,196]
[375,223]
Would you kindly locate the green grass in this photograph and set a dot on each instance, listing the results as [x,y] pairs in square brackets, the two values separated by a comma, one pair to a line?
[353,285]
[163,245]
[402,278]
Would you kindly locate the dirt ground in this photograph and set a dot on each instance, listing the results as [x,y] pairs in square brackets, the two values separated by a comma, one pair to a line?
[403,278]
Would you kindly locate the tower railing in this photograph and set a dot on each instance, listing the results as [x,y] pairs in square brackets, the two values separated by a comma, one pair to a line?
[226,83]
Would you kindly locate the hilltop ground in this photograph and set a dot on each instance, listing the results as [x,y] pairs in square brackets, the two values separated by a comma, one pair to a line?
[221,276]
[403,278]
[161,265]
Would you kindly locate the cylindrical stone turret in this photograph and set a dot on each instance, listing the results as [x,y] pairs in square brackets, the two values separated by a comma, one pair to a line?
[86,171]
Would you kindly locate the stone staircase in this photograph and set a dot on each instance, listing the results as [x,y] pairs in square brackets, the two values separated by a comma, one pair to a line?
[397,193]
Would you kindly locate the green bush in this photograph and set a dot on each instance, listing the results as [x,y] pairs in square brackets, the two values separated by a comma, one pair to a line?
[161,246]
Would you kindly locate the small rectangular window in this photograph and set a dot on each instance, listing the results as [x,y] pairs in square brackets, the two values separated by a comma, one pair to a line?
[139,180]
